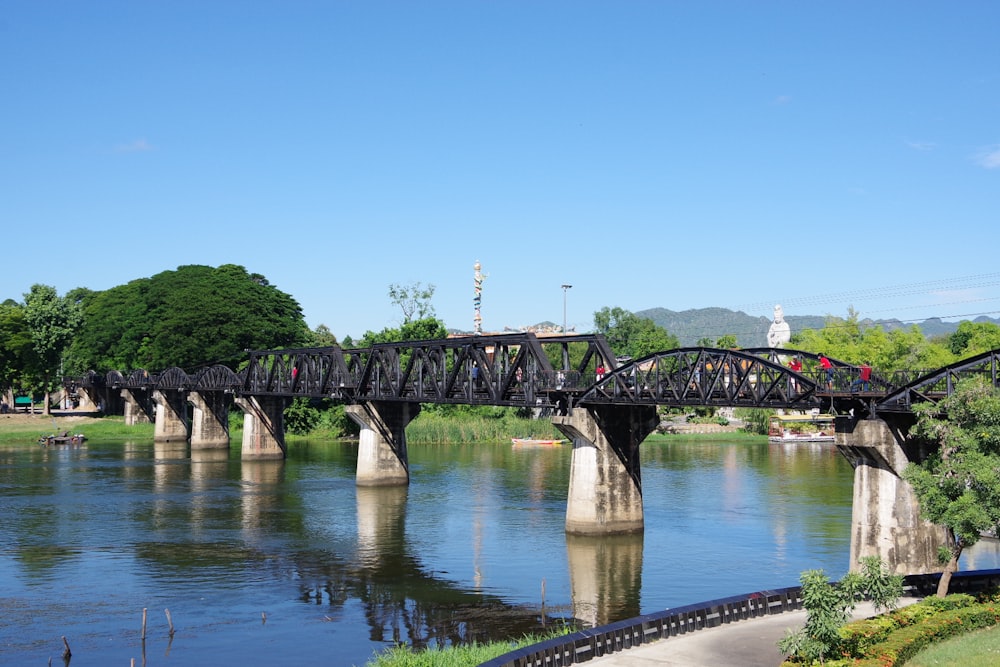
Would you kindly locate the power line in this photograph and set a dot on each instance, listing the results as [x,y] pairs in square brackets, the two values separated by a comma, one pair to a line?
[965,282]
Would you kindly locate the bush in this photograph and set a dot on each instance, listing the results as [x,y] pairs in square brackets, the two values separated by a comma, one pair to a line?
[300,417]
[755,420]
[828,607]
[893,638]
[902,645]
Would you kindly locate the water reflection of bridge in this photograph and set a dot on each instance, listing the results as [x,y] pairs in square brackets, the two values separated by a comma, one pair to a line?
[605,407]
[430,609]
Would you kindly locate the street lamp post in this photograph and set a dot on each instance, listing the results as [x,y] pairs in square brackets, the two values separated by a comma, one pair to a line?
[565,289]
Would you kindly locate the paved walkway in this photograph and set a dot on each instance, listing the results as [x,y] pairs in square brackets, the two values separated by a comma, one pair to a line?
[751,643]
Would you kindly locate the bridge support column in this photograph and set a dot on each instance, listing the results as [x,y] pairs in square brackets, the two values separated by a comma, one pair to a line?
[885,519]
[382,457]
[263,427]
[605,482]
[88,402]
[209,420]
[137,410]
[171,416]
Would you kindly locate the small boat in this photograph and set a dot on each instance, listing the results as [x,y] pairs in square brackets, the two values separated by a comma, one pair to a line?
[532,442]
[62,439]
[801,428]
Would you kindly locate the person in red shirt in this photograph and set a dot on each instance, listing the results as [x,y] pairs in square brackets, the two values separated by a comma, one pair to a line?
[827,366]
[796,366]
[864,378]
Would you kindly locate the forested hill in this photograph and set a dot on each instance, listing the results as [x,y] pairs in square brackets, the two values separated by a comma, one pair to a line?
[690,326]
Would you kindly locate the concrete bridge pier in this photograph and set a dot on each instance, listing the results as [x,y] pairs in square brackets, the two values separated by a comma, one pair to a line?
[885,519]
[171,416]
[89,400]
[605,482]
[209,419]
[263,427]
[138,409]
[382,457]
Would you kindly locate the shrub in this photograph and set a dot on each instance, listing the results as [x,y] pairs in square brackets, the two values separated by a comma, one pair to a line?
[828,607]
[891,639]
[902,645]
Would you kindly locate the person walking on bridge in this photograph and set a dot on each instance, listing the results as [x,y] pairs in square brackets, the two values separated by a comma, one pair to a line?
[864,378]
[827,367]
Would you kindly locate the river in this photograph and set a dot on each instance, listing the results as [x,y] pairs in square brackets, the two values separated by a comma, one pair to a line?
[290,563]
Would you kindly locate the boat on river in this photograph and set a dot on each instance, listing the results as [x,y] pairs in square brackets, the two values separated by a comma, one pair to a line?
[532,442]
[63,438]
[801,428]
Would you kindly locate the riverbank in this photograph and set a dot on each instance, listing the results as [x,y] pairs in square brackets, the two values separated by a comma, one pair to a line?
[427,429]
[17,428]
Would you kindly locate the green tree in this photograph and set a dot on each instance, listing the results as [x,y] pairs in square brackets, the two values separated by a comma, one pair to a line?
[52,322]
[15,346]
[726,342]
[190,317]
[958,484]
[413,299]
[428,328]
[847,340]
[321,336]
[972,338]
[630,335]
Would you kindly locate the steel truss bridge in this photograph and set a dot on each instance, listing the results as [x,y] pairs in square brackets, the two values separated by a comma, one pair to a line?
[558,372]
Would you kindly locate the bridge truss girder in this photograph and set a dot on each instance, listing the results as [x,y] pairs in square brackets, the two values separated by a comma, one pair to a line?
[701,376]
[937,385]
[521,370]
[525,370]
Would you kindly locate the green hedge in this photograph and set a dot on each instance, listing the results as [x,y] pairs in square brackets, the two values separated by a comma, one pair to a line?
[891,639]
[905,643]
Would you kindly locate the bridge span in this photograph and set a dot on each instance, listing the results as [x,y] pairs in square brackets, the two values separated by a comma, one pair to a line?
[606,406]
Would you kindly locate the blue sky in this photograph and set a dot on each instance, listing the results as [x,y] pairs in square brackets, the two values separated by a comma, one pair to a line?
[650,154]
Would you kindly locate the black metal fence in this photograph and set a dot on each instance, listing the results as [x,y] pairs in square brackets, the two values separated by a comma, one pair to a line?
[595,642]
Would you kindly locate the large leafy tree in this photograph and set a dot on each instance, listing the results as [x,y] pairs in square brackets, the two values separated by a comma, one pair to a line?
[190,317]
[52,322]
[958,484]
[15,346]
[630,335]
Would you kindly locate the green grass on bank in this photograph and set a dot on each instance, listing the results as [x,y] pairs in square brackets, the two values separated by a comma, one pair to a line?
[430,428]
[427,428]
[981,647]
[18,429]
[456,656]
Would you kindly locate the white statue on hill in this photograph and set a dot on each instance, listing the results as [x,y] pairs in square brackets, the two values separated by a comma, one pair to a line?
[779,333]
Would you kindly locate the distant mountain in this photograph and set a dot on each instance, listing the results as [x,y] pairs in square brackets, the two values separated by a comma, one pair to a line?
[690,326]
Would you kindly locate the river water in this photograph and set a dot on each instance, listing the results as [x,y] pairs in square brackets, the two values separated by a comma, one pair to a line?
[290,563]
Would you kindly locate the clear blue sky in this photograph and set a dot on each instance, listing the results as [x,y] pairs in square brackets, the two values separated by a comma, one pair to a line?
[651,154]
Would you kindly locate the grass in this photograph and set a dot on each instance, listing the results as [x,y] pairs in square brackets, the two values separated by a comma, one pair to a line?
[455,656]
[981,647]
[21,428]
[429,428]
